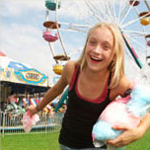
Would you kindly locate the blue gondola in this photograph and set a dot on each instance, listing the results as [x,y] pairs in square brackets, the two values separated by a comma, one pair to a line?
[51,5]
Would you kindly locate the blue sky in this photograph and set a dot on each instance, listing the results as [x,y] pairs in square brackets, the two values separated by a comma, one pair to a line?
[22,29]
[21,33]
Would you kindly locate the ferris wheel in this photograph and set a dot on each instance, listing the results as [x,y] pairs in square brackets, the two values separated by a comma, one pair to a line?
[67,22]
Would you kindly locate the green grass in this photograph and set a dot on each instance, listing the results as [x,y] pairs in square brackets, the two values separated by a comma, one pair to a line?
[49,141]
[141,144]
[46,141]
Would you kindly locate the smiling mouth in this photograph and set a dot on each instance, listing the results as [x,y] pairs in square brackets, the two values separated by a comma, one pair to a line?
[96,59]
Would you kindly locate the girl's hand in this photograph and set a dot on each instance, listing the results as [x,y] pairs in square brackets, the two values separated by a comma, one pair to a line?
[32,109]
[128,136]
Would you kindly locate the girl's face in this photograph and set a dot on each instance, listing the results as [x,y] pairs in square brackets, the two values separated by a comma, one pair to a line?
[99,49]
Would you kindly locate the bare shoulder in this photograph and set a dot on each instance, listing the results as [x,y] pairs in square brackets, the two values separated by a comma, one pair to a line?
[69,70]
[123,85]
[66,75]
[70,65]
[121,88]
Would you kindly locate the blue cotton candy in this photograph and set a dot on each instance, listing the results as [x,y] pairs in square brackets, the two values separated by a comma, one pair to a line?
[125,111]
[140,100]
[103,131]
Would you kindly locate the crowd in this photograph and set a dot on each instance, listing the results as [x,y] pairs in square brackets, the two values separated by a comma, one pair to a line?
[15,106]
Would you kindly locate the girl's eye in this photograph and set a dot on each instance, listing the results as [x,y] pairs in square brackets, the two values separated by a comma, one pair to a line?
[92,42]
[106,47]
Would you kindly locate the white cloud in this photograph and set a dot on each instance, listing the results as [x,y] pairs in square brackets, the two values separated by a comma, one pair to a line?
[25,43]
[16,7]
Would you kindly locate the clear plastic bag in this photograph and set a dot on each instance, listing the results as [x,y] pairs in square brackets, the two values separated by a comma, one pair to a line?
[124,111]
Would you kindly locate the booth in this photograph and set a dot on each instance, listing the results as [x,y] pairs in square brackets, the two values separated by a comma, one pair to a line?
[20,78]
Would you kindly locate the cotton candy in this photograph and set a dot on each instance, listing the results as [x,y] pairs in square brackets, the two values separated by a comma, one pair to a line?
[140,100]
[28,121]
[117,113]
[122,112]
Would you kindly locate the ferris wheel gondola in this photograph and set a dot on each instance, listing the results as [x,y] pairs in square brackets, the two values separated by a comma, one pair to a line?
[50,37]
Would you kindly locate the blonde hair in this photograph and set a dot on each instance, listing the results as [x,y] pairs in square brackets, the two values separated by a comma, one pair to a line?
[117,65]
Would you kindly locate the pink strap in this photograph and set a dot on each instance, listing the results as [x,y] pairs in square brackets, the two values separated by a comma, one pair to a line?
[73,78]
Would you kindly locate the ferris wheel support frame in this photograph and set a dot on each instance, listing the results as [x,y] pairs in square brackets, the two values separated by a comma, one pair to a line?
[132,51]
[56,18]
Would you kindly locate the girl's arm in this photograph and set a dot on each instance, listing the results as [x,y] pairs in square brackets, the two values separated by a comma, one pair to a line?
[52,93]
[130,134]
[144,124]
[63,98]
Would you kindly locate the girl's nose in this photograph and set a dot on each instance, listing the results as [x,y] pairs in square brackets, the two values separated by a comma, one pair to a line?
[97,49]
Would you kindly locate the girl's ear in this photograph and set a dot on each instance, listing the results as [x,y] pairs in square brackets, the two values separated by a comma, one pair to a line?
[111,65]
[114,57]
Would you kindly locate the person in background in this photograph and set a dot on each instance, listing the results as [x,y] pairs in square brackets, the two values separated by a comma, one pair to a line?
[12,98]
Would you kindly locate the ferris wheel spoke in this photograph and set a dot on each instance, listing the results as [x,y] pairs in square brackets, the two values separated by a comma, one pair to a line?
[145,33]
[47,15]
[107,10]
[90,14]
[72,11]
[73,30]
[127,12]
[59,34]
[112,6]
[146,3]
[114,10]
[74,27]
[138,33]
[75,51]
[102,15]
[143,30]
[92,8]
[62,44]
[107,14]
[88,21]
[52,51]
[122,10]
[136,41]
[135,20]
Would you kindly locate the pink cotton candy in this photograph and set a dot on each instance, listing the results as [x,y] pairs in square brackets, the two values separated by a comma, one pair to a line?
[28,121]
[116,113]
[123,112]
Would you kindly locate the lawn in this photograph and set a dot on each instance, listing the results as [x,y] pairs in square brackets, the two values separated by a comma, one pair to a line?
[45,141]
[49,141]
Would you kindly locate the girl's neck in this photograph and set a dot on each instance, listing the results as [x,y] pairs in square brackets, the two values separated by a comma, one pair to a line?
[95,75]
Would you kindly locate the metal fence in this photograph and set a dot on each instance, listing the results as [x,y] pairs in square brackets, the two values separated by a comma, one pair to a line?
[11,124]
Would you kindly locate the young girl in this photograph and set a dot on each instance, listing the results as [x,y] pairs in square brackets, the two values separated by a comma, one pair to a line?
[94,81]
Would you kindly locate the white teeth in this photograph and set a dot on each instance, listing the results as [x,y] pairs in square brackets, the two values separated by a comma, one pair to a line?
[95,58]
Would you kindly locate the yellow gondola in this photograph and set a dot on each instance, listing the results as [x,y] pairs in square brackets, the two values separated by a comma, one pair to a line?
[57,69]
[145,21]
